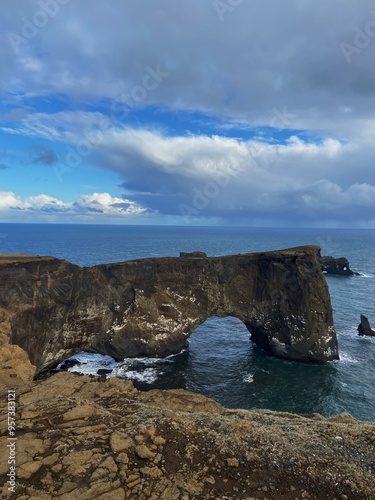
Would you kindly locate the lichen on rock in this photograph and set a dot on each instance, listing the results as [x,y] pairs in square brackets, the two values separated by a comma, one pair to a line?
[135,447]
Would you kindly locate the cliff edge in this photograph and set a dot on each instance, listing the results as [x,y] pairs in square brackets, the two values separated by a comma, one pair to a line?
[81,438]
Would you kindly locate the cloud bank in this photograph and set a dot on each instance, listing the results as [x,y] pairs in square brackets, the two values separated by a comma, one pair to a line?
[86,206]
[243,112]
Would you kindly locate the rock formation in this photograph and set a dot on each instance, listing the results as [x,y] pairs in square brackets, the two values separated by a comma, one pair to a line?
[193,254]
[53,309]
[84,438]
[364,327]
[340,265]
[80,438]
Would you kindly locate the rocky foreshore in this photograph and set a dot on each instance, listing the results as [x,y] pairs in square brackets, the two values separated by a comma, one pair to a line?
[84,438]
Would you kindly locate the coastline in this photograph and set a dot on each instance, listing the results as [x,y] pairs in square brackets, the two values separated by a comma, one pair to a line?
[81,437]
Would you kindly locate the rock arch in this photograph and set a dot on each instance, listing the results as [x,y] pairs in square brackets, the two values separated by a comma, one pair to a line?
[53,309]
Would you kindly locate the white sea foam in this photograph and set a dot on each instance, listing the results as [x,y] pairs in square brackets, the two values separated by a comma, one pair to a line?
[148,375]
[90,363]
[248,378]
[139,369]
[347,358]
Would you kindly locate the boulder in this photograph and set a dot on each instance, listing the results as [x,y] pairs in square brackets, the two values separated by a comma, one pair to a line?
[16,371]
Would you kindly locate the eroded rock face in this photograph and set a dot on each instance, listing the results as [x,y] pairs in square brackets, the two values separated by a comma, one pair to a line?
[53,309]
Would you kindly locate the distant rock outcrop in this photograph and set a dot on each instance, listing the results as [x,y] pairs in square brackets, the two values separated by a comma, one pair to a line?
[364,327]
[340,265]
[54,309]
[199,255]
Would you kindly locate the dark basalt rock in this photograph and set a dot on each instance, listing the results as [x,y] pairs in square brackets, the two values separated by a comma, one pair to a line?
[54,309]
[69,363]
[104,371]
[364,327]
[340,265]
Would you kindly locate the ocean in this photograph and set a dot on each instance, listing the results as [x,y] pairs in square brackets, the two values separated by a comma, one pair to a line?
[221,361]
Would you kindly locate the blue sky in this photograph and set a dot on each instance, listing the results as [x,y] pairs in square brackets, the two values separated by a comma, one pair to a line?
[198,112]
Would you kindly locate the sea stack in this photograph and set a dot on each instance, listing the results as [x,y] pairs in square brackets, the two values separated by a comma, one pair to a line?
[364,327]
[337,265]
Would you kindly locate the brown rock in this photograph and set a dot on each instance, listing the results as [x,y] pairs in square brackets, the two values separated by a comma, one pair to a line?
[67,487]
[77,462]
[25,471]
[120,442]
[16,371]
[232,462]
[151,471]
[144,452]
[80,412]
[56,462]
[109,464]
[122,458]
[158,440]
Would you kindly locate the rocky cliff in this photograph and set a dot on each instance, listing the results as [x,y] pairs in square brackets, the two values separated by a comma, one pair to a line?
[83,438]
[53,309]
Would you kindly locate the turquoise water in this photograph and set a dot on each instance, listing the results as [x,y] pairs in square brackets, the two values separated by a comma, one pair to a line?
[221,361]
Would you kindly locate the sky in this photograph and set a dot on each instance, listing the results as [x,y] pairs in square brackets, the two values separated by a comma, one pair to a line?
[196,112]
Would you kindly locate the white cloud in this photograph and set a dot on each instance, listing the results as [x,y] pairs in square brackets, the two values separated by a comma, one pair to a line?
[96,205]
[107,205]
[202,157]
[325,195]
[9,201]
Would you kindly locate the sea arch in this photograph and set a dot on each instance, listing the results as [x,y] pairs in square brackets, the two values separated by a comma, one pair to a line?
[150,307]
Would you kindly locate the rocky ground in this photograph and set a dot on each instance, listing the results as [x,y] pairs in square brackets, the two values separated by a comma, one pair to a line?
[83,438]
